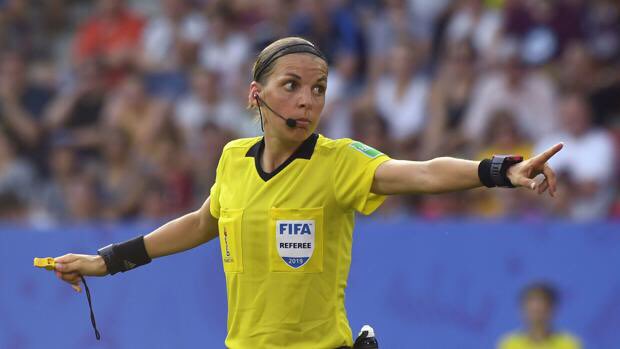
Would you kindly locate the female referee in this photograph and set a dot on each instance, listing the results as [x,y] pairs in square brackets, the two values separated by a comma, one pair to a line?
[283,206]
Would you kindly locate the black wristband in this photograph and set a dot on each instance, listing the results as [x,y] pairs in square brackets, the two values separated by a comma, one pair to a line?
[492,172]
[484,173]
[125,255]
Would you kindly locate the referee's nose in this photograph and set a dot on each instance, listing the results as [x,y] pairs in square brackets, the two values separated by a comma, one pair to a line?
[305,100]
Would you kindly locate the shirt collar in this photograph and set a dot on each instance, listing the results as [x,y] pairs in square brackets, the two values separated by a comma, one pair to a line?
[304,151]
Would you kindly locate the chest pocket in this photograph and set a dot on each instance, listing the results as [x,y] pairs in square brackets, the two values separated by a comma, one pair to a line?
[296,240]
[229,225]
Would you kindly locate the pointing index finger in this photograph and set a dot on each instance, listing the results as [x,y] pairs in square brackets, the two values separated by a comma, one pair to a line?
[547,154]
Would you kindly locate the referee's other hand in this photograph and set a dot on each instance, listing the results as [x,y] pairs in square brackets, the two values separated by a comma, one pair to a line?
[523,173]
[71,266]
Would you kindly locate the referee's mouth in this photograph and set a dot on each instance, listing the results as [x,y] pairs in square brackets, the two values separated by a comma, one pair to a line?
[303,122]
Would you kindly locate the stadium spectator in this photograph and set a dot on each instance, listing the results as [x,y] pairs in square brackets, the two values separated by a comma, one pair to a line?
[12,209]
[425,16]
[52,204]
[77,112]
[273,22]
[401,94]
[503,136]
[170,41]
[588,167]
[16,26]
[17,176]
[224,49]
[169,166]
[529,95]
[573,66]
[207,103]
[370,127]
[448,102]
[544,27]
[383,29]
[473,22]
[344,90]
[579,71]
[538,304]
[119,177]
[21,106]
[84,204]
[154,205]
[170,44]
[330,24]
[204,158]
[139,115]
[111,35]
[602,29]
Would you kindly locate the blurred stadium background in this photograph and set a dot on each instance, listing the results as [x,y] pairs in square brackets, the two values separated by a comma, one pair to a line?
[113,115]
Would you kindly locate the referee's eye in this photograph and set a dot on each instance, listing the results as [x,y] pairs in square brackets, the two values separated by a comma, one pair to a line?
[318,90]
[290,85]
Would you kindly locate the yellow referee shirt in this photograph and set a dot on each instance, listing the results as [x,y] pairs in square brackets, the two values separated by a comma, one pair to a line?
[285,239]
[554,341]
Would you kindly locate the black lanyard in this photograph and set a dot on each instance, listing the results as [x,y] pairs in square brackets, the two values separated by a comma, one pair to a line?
[90,306]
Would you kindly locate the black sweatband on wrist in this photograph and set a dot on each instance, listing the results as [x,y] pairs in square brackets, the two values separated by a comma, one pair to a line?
[125,255]
[493,172]
[484,173]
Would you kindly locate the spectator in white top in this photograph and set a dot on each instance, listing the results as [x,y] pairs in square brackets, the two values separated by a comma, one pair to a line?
[172,39]
[587,164]
[477,24]
[225,50]
[382,30]
[344,89]
[401,94]
[530,96]
[207,104]
[424,15]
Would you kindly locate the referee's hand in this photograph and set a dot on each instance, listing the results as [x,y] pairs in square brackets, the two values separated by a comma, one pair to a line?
[71,266]
[523,173]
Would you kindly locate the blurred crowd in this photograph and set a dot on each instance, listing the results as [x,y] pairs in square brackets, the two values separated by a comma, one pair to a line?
[114,110]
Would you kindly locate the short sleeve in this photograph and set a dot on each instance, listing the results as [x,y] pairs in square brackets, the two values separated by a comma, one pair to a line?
[214,206]
[354,172]
[571,342]
[508,342]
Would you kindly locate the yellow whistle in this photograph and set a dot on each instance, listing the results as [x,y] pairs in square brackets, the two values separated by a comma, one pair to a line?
[48,263]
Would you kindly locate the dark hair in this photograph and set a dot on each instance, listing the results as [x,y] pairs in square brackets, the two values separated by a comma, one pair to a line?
[263,65]
[543,289]
[501,117]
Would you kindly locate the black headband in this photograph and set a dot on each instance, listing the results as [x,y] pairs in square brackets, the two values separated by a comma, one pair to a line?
[287,50]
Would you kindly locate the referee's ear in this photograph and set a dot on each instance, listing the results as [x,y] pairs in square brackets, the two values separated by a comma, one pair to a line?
[253,95]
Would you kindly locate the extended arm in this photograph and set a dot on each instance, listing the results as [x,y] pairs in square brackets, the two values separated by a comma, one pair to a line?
[446,174]
[434,176]
[186,232]
[183,233]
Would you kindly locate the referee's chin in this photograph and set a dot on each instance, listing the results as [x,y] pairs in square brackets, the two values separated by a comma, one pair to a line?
[300,133]
[296,134]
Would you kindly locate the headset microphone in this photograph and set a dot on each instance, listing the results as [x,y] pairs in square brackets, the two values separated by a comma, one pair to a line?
[291,123]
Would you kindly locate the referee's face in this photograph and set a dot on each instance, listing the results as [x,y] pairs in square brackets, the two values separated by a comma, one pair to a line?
[295,89]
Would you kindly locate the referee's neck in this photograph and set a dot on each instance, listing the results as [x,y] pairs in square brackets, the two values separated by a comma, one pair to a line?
[276,151]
